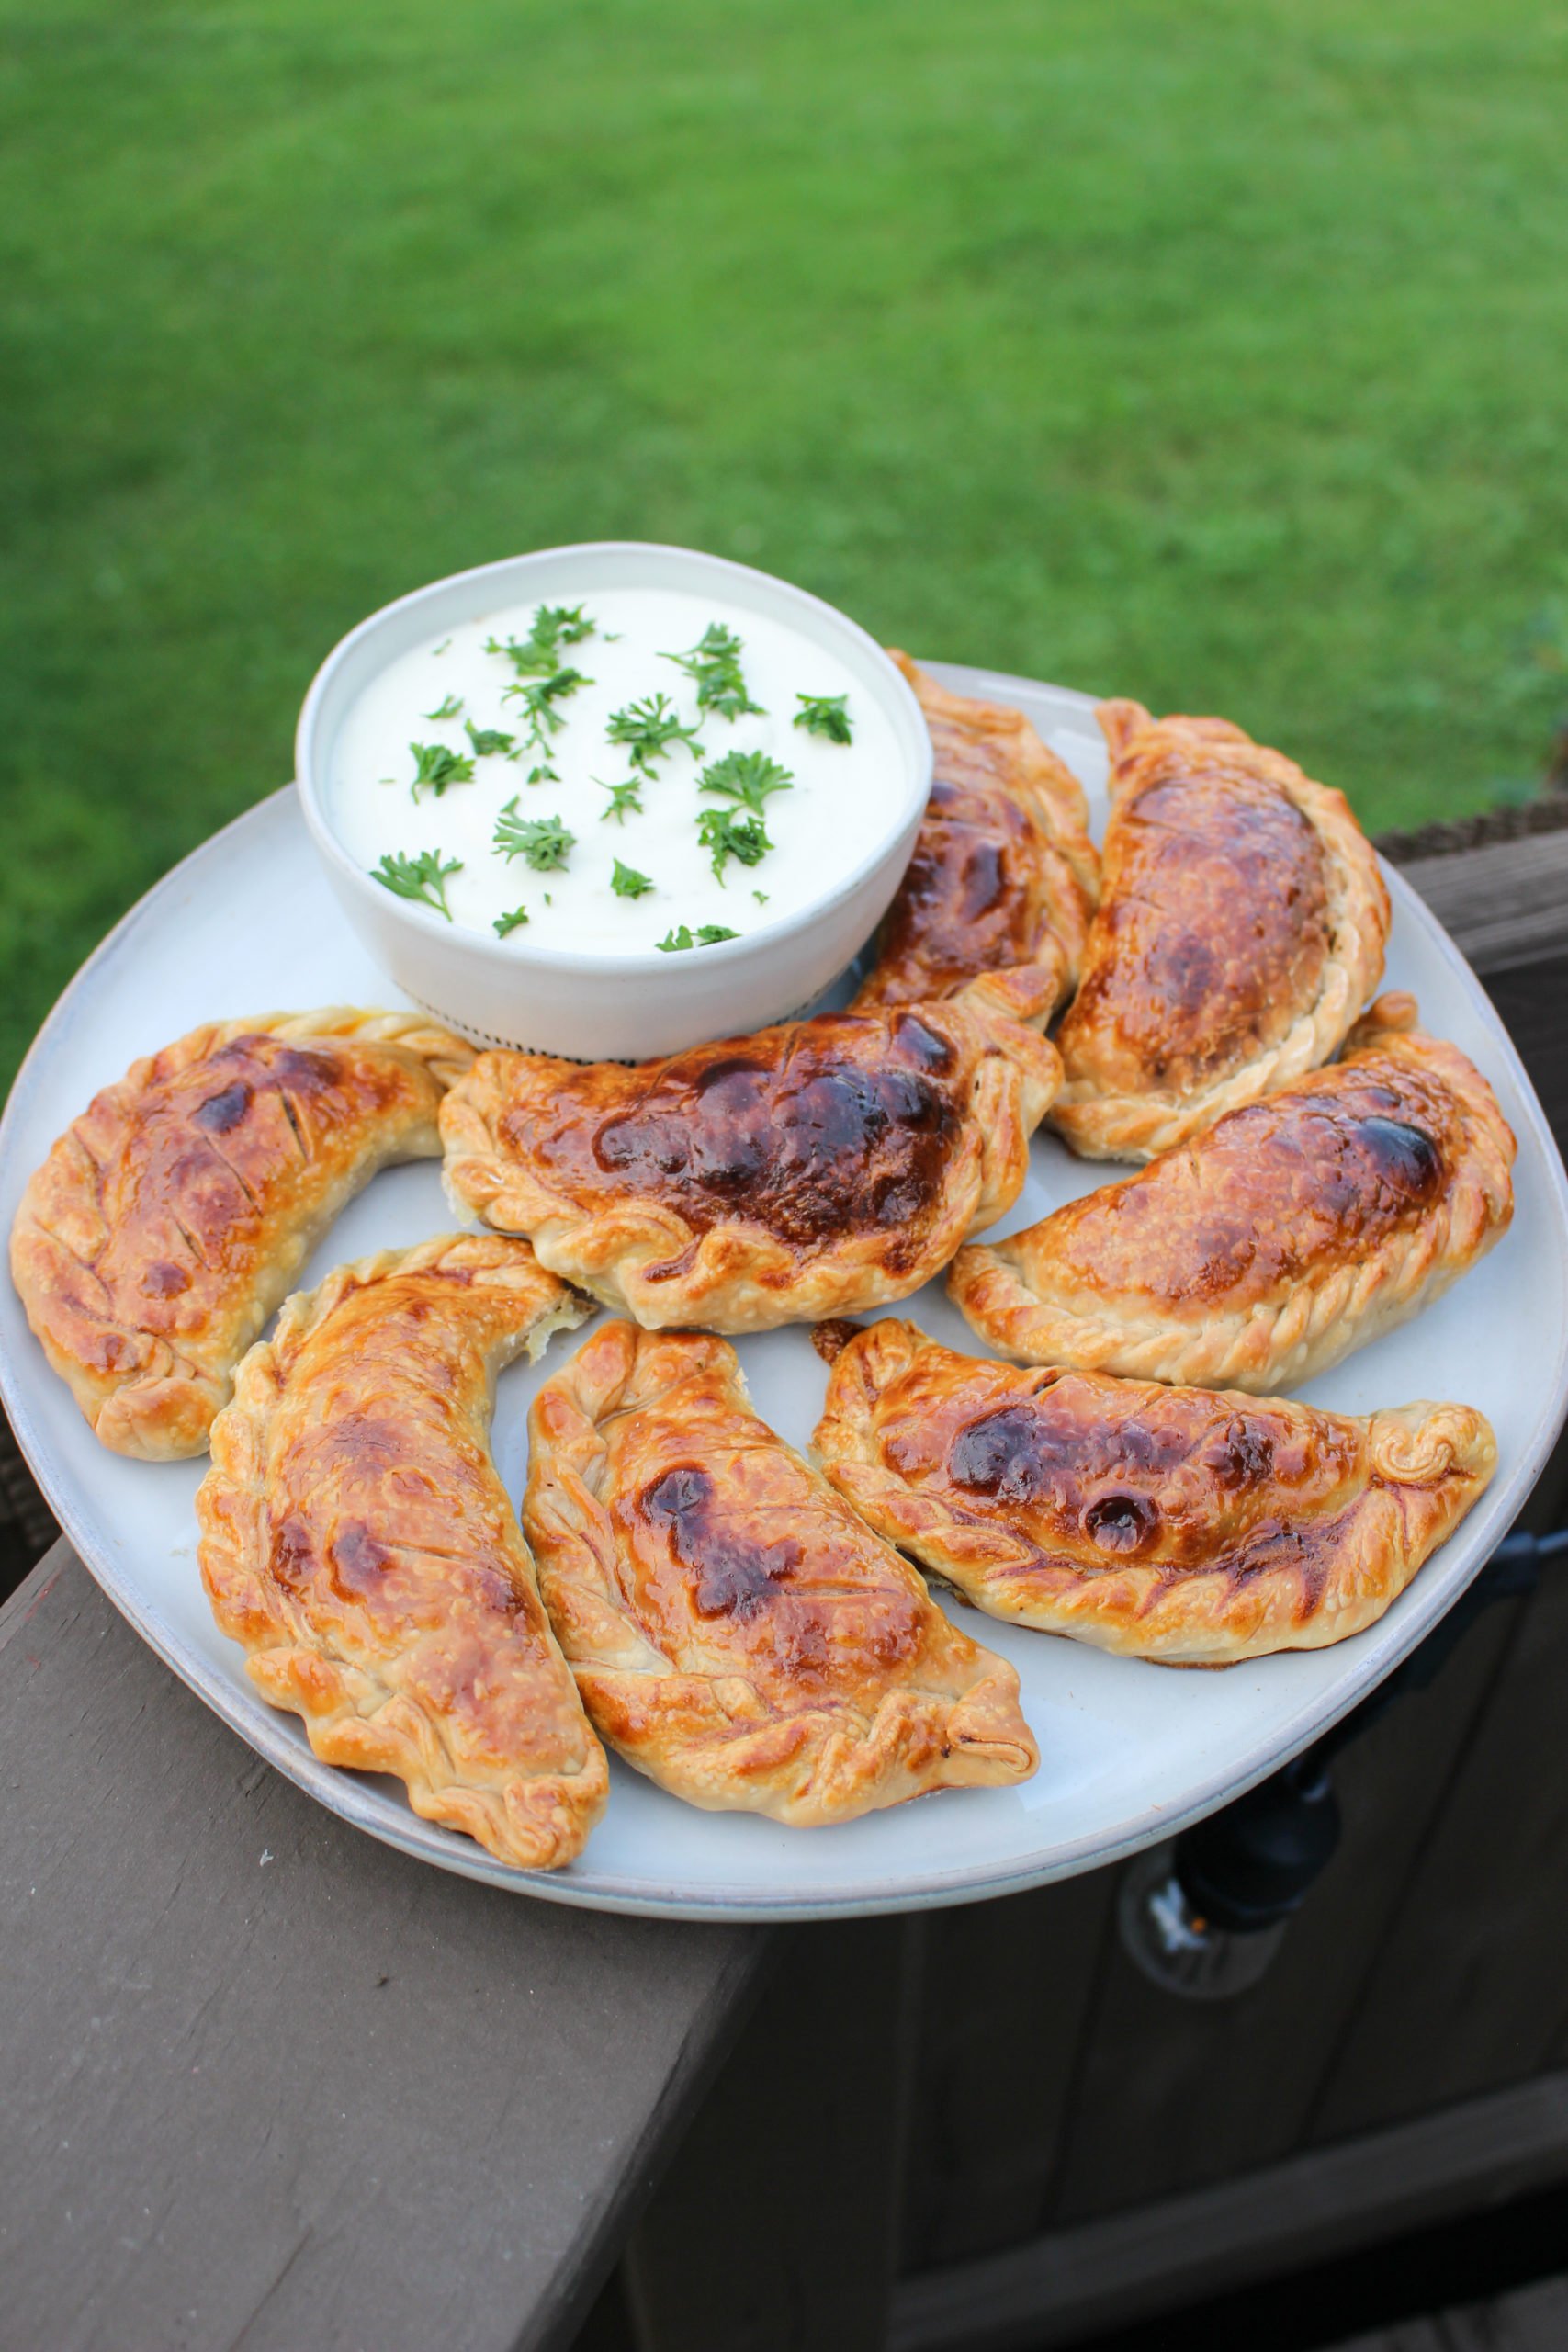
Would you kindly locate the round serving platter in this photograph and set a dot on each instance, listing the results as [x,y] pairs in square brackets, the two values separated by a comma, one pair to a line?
[1128,1752]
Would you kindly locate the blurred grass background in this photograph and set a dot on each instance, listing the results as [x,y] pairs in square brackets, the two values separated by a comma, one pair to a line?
[1215,351]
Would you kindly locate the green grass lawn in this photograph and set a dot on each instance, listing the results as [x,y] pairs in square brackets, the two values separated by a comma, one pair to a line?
[1214,351]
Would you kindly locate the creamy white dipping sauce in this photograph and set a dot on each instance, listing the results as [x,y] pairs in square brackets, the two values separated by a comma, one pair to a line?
[836,811]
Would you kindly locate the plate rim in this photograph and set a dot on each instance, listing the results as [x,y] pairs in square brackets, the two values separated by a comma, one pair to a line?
[282,1742]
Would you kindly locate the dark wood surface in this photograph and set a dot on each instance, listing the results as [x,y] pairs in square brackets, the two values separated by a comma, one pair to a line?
[267,2082]
[1158,2256]
[1532,2319]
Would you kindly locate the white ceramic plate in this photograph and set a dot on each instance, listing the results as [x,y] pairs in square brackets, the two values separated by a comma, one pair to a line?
[1128,1752]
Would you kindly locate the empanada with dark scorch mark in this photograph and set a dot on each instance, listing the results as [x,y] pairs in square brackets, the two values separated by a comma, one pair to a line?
[1168,1523]
[812,1169]
[1003,872]
[174,1214]
[1240,931]
[358,1541]
[1292,1231]
[736,1631]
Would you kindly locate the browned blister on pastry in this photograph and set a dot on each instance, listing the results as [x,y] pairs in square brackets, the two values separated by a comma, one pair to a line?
[1294,1230]
[1168,1523]
[1003,872]
[736,1631]
[357,1539]
[174,1214]
[1240,931]
[808,1171]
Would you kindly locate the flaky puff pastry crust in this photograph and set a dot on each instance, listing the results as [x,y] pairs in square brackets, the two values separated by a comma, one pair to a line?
[1003,872]
[736,1631]
[812,1169]
[1294,1230]
[1240,931]
[1168,1523]
[174,1214]
[358,1541]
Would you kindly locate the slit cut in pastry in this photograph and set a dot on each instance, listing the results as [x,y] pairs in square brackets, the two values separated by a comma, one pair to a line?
[1294,1230]
[1240,931]
[174,1214]
[357,1539]
[1003,872]
[812,1169]
[736,1631]
[1168,1523]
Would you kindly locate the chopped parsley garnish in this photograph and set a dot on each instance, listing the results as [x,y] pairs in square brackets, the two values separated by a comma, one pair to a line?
[542,843]
[714,667]
[423,877]
[537,654]
[708,935]
[627,883]
[727,836]
[437,765]
[824,715]
[648,729]
[746,778]
[621,798]
[513,921]
[760,896]
[448,709]
[489,742]
[543,774]
[539,699]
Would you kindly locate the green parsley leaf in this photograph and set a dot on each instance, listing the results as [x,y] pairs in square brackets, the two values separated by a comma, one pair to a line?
[488,742]
[538,654]
[627,883]
[513,921]
[448,709]
[708,935]
[543,774]
[438,767]
[423,877]
[714,667]
[648,729]
[824,715]
[539,700]
[542,843]
[621,798]
[760,896]
[747,777]
[727,836]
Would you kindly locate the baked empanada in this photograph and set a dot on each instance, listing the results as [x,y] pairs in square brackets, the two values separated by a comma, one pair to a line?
[1168,1523]
[811,1170]
[1003,871]
[174,1214]
[355,1537]
[1292,1231]
[1240,931]
[736,1631]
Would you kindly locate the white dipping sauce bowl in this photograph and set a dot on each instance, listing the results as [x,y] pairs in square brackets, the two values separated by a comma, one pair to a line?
[599,1005]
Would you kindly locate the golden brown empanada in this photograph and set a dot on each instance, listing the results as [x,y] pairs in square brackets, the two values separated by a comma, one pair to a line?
[1294,1230]
[736,1631]
[811,1170]
[1003,871]
[174,1214]
[355,1537]
[1240,931]
[1168,1523]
